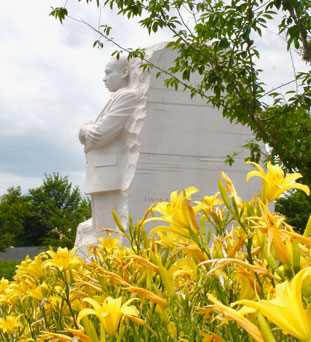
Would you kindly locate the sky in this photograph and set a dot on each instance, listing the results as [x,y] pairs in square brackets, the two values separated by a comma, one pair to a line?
[51,83]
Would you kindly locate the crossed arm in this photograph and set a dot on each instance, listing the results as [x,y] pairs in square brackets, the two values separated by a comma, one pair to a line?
[99,133]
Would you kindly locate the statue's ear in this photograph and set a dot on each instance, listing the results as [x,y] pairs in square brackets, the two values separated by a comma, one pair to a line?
[125,72]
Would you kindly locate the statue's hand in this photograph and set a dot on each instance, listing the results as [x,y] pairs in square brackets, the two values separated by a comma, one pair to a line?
[94,136]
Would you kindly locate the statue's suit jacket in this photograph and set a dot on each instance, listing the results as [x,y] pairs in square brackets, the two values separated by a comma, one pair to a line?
[106,158]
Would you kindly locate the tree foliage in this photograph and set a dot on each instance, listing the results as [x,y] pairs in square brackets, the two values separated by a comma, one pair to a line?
[14,209]
[295,206]
[219,40]
[47,215]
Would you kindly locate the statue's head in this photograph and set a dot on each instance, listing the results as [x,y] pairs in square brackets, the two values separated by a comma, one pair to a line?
[116,74]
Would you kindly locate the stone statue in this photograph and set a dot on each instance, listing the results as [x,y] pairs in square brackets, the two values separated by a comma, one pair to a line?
[106,148]
[149,141]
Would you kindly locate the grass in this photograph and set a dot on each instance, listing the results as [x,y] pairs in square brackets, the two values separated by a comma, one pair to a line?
[7,269]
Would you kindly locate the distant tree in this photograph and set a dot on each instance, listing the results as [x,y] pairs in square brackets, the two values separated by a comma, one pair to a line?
[14,210]
[56,210]
[47,215]
[296,207]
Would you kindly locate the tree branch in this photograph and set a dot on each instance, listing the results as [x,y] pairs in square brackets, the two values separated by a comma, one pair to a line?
[280,86]
[187,86]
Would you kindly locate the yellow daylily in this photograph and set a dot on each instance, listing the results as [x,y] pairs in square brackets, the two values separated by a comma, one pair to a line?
[108,243]
[209,202]
[169,239]
[209,336]
[4,284]
[38,292]
[272,224]
[63,259]
[231,188]
[168,208]
[9,324]
[46,335]
[80,335]
[147,294]
[183,269]
[231,314]
[146,263]
[275,182]
[286,310]
[110,312]
[178,214]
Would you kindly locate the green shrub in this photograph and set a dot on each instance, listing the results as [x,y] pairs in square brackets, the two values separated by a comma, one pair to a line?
[296,207]
[7,269]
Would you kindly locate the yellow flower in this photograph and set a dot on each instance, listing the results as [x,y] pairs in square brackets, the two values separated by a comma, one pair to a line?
[168,208]
[184,268]
[9,324]
[272,225]
[110,312]
[55,337]
[38,292]
[274,182]
[108,243]
[208,336]
[286,310]
[63,259]
[147,294]
[4,284]
[208,203]
[230,314]
[178,214]
[31,268]
[78,336]
[231,188]
[169,239]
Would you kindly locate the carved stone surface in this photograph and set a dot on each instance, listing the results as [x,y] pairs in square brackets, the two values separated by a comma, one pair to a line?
[111,149]
[184,142]
[155,141]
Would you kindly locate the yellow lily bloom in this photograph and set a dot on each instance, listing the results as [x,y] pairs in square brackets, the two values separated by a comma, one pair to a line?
[272,224]
[110,313]
[178,214]
[46,335]
[108,243]
[286,310]
[231,188]
[147,294]
[63,259]
[38,292]
[168,208]
[275,182]
[231,314]
[4,284]
[30,267]
[208,203]
[208,336]
[9,324]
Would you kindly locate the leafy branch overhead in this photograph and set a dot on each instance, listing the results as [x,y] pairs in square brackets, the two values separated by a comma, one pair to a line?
[219,40]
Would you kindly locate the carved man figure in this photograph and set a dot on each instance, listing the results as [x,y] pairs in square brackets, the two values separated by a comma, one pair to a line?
[104,140]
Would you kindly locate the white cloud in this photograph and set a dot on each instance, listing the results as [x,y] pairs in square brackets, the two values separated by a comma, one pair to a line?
[51,83]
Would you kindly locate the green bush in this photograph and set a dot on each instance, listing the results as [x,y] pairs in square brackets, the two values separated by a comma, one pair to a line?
[7,269]
[296,207]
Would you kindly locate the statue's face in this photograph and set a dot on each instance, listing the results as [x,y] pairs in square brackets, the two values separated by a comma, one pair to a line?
[114,77]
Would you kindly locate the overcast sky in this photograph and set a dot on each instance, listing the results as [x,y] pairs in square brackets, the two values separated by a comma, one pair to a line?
[51,83]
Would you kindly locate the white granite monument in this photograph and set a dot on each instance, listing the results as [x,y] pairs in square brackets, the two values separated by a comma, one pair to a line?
[150,140]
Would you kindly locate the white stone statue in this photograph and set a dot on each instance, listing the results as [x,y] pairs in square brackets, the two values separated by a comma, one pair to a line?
[107,144]
[149,141]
